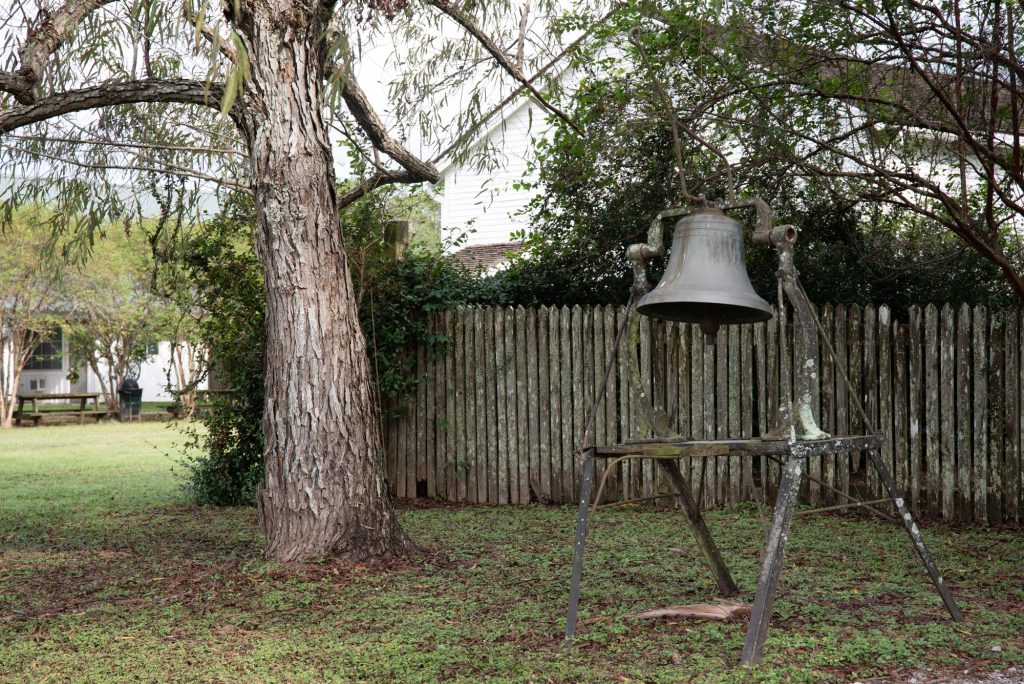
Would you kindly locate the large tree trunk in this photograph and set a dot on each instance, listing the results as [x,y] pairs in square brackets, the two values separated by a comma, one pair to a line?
[325,491]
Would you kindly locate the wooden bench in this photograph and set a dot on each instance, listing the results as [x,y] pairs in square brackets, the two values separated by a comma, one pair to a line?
[36,416]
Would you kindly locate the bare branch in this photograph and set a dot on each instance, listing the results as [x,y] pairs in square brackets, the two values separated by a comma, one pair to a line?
[521,44]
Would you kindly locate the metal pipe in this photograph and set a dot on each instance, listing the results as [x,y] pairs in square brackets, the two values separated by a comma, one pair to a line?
[840,492]
[841,507]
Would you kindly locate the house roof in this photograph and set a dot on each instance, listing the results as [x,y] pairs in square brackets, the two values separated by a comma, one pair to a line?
[487,257]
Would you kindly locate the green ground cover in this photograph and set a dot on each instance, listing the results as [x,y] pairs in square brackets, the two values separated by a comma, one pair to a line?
[107,574]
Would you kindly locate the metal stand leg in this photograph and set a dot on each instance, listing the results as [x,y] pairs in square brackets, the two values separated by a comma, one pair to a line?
[723,579]
[915,536]
[761,614]
[581,539]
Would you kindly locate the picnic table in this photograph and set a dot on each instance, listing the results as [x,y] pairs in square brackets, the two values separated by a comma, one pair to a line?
[35,415]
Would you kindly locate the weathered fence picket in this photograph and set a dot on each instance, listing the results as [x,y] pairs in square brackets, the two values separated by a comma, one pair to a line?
[947,407]
[1011,377]
[871,386]
[497,414]
[827,417]
[885,396]
[931,409]
[915,415]
[980,411]
[964,444]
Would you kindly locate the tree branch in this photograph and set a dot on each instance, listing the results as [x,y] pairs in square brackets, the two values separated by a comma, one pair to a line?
[47,34]
[129,92]
[463,20]
[375,181]
[209,33]
[170,169]
[130,145]
[515,93]
[377,132]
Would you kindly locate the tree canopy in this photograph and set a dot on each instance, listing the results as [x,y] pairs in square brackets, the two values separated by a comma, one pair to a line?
[851,135]
[246,96]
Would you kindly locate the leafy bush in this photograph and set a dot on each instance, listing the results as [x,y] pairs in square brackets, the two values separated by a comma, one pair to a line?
[395,297]
[225,465]
[225,462]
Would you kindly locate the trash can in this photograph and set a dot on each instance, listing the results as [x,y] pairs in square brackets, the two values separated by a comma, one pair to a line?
[129,396]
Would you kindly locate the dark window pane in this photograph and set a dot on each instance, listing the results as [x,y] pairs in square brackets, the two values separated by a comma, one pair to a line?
[47,354]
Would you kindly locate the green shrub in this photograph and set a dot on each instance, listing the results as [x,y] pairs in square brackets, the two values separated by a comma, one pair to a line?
[225,459]
[224,465]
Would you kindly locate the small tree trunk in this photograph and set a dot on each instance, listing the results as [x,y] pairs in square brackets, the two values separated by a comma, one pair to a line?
[104,390]
[186,397]
[325,491]
[10,397]
[8,383]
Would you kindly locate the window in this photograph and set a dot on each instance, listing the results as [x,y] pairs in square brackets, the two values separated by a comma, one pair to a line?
[152,349]
[47,354]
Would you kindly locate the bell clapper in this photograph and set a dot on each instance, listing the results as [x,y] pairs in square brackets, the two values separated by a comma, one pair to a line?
[710,330]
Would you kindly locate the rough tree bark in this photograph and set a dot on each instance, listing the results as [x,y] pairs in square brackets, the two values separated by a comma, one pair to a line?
[325,490]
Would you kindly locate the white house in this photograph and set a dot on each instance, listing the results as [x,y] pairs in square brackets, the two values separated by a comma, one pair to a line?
[49,368]
[486,206]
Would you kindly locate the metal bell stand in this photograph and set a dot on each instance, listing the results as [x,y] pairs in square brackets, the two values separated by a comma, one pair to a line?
[795,440]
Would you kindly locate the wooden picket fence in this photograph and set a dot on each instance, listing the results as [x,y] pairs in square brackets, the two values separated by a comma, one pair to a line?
[497,414]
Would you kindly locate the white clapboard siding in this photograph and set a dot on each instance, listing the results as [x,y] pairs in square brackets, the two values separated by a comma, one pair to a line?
[485,205]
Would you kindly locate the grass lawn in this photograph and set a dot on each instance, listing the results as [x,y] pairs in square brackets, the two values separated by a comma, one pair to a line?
[106,573]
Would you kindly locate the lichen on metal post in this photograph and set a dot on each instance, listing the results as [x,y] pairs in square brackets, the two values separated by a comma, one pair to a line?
[806,374]
[761,614]
[581,541]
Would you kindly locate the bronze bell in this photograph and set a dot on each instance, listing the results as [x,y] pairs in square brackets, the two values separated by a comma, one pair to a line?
[706,279]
